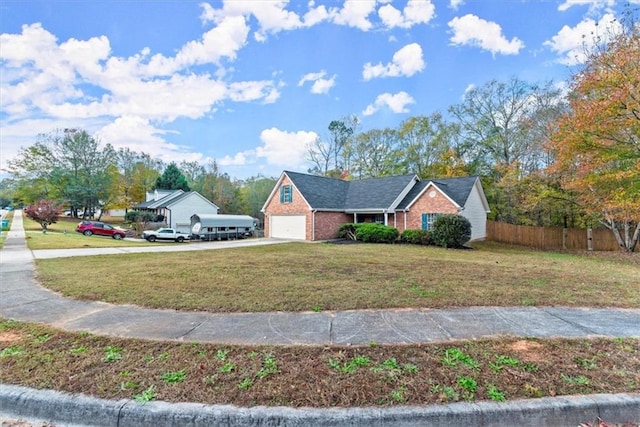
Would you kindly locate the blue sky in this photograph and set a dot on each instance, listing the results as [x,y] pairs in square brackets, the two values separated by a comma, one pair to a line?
[250,83]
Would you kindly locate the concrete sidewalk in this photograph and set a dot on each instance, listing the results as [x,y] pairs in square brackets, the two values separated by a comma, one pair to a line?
[23,299]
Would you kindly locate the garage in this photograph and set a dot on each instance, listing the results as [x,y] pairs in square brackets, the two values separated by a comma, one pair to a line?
[288,227]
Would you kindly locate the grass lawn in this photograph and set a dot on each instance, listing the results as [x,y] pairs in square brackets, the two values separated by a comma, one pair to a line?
[303,276]
[501,369]
[63,235]
[323,276]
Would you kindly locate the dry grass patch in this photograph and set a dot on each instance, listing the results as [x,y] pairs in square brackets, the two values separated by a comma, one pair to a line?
[115,368]
[303,276]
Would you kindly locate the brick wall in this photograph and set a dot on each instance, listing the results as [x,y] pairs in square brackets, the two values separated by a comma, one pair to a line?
[327,224]
[297,207]
[426,204]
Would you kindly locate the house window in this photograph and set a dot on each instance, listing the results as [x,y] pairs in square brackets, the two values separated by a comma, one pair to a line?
[286,194]
[428,219]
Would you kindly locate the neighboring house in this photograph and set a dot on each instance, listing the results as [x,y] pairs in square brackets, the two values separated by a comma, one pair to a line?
[176,207]
[309,207]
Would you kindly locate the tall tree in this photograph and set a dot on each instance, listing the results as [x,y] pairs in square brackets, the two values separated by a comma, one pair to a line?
[172,179]
[500,123]
[597,144]
[331,156]
[194,172]
[424,142]
[376,154]
[254,193]
[67,165]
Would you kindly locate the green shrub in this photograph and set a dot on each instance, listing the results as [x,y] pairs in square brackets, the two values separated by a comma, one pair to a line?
[376,233]
[451,231]
[416,237]
[347,231]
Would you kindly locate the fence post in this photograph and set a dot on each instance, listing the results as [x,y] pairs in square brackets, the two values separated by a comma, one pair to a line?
[589,239]
[564,239]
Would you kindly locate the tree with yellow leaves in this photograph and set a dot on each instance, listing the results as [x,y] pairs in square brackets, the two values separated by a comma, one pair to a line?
[597,143]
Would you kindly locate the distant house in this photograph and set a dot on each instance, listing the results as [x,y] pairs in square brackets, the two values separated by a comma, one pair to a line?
[176,207]
[309,207]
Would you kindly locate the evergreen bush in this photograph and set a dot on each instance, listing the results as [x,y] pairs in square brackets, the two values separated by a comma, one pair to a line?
[451,231]
[416,237]
[376,233]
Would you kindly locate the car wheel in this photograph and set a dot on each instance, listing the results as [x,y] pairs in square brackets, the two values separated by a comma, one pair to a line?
[87,232]
[180,239]
[117,236]
[151,238]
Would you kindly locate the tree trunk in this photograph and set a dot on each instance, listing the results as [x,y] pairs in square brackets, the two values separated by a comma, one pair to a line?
[627,242]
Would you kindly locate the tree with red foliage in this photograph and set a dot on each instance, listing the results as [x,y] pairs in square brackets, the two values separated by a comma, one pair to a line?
[44,212]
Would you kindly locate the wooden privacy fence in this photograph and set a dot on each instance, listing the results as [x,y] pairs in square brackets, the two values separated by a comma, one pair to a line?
[551,238]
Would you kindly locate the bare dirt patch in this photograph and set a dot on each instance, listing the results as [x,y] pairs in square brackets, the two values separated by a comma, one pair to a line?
[530,351]
[9,337]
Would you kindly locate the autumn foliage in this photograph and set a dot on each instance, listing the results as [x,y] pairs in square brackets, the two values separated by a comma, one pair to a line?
[597,144]
[44,212]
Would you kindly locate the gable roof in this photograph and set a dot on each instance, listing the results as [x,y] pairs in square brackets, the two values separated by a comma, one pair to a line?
[159,203]
[171,200]
[320,192]
[456,189]
[372,194]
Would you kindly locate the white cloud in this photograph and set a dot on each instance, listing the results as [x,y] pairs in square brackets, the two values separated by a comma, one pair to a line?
[286,149]
[415,12]
[396,103]
[320,85]
[470,30]
[239,159]
[455,4]
[593,4]
[253,91]
[573,43]
[272,16]
[406,62]
[354,13]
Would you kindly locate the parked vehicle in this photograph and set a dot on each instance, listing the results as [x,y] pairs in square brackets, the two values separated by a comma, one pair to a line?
[165,234]
[89,228]
[221,227]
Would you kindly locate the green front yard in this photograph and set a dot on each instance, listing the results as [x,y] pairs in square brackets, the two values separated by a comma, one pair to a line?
[324,276]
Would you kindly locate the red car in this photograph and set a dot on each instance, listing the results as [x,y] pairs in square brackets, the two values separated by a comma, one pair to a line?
[100,229]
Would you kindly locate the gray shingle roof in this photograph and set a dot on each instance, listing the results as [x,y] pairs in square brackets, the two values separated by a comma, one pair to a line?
[457,189]
[373,193]
[319,191]
[162,202]
[376,193]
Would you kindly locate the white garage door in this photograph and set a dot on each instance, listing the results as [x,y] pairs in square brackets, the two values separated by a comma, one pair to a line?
[288,226]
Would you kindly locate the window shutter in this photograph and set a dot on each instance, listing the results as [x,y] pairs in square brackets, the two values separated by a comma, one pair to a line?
[281,194]
[424,221]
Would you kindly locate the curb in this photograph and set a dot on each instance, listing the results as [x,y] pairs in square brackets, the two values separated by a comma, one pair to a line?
[68,409]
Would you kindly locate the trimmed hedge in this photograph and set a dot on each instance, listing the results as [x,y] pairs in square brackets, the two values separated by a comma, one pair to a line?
[369,232]
[451,231]
[376,233]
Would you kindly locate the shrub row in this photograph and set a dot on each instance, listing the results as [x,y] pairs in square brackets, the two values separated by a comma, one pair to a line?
[449,231]
[369,232]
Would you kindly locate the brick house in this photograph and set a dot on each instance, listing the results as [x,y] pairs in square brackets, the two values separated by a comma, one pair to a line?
[309,207]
